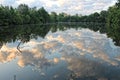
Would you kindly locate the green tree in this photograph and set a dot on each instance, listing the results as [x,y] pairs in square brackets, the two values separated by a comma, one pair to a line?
[53,16]
[62,17]
[103,16]
[15,17]
[23,10]
[34,16]
[43,15]
[4,15]
[113,23]
[118,4]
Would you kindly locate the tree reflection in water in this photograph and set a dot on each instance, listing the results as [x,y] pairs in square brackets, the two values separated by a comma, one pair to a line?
[22,33]
[1,44]
[87,55]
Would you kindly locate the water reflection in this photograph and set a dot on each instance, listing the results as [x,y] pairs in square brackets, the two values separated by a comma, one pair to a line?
[63,55]
[1,44]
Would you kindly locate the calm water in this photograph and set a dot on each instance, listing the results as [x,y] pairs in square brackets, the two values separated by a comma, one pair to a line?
[57,53]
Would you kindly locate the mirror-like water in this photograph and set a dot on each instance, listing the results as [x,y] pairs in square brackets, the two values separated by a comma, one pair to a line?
[36,53]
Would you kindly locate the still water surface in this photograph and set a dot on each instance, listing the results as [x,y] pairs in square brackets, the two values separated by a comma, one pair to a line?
[58,53]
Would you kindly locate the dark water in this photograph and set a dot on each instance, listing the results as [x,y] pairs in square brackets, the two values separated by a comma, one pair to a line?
[64,52]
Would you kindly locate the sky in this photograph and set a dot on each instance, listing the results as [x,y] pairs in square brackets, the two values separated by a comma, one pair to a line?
[84,7]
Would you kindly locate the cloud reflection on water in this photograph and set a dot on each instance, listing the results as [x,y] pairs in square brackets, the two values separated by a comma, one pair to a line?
[7,54]
[88,54]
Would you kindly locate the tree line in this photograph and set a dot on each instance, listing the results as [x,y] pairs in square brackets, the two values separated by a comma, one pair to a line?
[23,14]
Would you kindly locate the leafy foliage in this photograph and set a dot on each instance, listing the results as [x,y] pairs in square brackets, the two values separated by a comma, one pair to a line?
[22,15]
[113,23]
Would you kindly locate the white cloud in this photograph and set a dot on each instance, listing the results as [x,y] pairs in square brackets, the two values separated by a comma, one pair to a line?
[80,6]
[28,2]
[1,1]
[7,54]
[48,3]
[68,6]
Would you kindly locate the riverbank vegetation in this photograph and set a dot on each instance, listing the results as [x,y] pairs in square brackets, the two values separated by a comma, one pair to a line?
[113,23]
[23,14]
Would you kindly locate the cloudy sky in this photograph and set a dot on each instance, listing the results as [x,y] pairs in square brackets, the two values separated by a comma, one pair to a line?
[68,6]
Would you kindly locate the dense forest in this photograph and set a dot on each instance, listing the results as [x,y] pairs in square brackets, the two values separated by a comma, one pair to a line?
[23,14]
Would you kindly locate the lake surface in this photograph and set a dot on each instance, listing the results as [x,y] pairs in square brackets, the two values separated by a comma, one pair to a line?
[38,52]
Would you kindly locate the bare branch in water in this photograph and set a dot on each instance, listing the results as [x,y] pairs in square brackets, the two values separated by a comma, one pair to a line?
[1,44]
[18,47]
